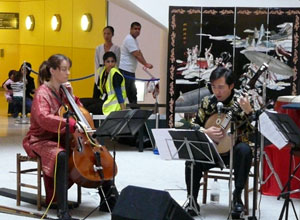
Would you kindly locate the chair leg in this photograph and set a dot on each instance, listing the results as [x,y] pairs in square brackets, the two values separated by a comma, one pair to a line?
[18,180]
[205,179]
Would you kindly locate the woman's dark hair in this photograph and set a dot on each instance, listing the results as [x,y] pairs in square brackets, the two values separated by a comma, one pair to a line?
[109,54]
[53,62]
[220,72]
[111,29]
[27,68]
[43,73]
[17,76]
[11,72]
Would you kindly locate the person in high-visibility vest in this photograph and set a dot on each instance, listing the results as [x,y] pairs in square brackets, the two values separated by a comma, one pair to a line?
[111,84]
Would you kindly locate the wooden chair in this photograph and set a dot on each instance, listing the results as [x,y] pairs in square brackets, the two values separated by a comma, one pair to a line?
[38,187]
[224,175]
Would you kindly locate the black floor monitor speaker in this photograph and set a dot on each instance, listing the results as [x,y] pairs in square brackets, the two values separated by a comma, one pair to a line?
[137,203]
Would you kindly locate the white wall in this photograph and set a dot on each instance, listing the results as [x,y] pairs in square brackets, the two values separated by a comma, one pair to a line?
[152,41]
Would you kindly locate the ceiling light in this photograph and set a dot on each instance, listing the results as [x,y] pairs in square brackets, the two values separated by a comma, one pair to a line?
[56,22]
[29,22]
[86,22]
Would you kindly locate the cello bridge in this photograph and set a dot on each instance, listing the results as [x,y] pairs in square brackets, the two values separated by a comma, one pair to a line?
[97,168]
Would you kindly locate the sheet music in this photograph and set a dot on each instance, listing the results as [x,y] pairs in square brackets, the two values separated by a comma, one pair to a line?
[268,129]
[165,143]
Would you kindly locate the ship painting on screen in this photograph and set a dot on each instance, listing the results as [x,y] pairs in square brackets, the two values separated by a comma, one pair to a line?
[200,68]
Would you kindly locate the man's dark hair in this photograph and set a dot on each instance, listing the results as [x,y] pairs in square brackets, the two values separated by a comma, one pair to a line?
[220,72]
[135,24]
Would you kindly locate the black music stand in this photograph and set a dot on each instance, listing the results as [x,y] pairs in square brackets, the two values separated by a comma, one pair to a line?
[123,123]
[195,146]
[120,124]
[287,127]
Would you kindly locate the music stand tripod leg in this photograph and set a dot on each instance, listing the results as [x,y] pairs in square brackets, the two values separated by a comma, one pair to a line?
[273,172]
[192,204]
[285,207]
[191,199]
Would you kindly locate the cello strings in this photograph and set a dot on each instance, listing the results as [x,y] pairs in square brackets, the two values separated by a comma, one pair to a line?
[86,133]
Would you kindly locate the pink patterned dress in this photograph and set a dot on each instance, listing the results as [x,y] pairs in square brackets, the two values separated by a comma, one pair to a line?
[42,137]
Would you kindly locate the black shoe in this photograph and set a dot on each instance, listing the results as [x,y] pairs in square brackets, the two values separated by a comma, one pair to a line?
[103,207]
[191,211]
[238,205]
[111,201]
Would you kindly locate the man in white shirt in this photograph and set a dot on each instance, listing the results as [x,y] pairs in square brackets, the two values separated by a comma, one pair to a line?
[130,55]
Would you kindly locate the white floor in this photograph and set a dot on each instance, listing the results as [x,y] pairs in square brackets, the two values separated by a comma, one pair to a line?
[134,168]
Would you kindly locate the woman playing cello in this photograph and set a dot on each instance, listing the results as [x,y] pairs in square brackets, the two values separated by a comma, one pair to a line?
[42,137]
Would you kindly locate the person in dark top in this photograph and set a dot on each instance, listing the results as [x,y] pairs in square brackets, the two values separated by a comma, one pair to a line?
[222,84]
[30,86]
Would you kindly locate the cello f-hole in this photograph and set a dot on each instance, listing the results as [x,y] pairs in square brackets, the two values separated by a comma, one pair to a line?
[79,144]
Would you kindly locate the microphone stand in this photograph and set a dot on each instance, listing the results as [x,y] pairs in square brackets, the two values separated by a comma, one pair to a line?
[233,137]
[65,215]
[256,161]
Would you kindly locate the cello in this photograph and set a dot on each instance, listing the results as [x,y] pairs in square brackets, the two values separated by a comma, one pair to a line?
[89,162]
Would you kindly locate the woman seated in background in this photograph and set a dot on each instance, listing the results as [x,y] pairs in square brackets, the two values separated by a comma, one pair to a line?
[111,85]
[8,90]
[17,88]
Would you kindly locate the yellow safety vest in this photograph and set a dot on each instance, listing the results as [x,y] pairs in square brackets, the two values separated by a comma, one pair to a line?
[111,104]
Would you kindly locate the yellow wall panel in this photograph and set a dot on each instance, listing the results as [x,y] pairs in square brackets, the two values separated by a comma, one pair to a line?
[35,8]
[9,36]
[38,45]
[68,51]
[9,42]
[9,6]
[9,61]
[62,38]
[83,65]
[98,11]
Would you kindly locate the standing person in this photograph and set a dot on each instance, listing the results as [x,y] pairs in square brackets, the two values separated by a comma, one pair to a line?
[130,55]
[42,138]
[108,33]
[30,86]
[222,84]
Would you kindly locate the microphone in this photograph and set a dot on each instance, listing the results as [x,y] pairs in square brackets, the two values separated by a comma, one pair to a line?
[219,107]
